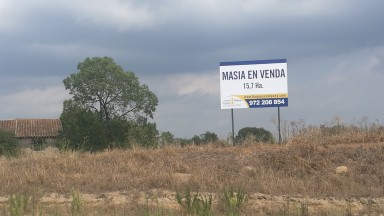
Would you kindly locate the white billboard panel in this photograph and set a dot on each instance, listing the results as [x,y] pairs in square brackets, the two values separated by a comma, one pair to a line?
[254,84]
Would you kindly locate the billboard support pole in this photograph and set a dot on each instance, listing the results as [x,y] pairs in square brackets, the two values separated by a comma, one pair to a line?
[278,120]
[233,128]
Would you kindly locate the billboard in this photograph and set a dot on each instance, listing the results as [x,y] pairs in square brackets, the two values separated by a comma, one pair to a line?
[254,84]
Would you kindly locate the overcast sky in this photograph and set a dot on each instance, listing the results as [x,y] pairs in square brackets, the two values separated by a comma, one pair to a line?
[334,50]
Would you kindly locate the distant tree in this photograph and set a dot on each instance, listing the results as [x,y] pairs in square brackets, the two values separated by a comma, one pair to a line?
[209,137]
[205,138]
[259,134]
[167,138]
[196,140]
[182,141]
[9,145]
[106,103]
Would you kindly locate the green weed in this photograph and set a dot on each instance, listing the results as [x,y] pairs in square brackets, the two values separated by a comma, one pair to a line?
[76,203]
[293,210]
[195,204]
[18,204]
[158,210]
[234,200]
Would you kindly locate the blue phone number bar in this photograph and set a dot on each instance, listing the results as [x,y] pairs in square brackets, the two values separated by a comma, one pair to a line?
[267,102]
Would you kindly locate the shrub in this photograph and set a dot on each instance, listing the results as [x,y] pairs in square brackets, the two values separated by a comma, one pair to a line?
[209,137]
[83,130]
[234,200]
[167,138]
[9,145]
[142,132]
[195,204]
[205,138]
[39,144]
[76,203]
[18,204]
[259,134]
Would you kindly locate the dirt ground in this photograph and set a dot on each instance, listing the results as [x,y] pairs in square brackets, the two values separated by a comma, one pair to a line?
[257,202]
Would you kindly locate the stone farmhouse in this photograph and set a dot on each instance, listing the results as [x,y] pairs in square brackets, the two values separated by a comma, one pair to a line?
[32,132]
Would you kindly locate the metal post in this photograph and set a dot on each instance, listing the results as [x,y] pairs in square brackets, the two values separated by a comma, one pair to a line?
[278,120]
[233,128]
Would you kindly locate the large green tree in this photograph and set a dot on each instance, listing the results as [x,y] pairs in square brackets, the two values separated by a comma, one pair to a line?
[106,101]
[102,86]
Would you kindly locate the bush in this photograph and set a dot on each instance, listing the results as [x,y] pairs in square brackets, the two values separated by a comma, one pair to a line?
[209,137]
[234,200]
[81,129]
[259,134]
[9,145]
[84,130]
[205,138]
[142,132]
[39,144]
[167,138]
[195,204]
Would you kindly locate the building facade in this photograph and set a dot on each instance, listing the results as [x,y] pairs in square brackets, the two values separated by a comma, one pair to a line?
[33,133]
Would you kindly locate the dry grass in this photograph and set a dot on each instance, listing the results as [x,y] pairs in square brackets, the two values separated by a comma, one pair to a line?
[267,169]
[303,168]
[338,134]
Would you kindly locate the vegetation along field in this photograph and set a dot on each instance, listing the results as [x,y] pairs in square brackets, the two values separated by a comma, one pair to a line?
[336,170]
[110,159]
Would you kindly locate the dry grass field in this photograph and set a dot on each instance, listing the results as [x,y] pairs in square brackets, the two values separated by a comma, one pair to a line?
[297,178]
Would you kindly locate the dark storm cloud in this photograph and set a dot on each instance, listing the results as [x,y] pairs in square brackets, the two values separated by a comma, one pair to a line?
[187,38]
[334,51]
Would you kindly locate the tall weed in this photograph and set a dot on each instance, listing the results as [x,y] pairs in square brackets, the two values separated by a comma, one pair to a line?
[76,203]
[18,204]
[234,200]
[195,204]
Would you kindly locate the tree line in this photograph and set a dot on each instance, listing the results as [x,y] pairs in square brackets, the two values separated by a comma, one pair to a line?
[110,108]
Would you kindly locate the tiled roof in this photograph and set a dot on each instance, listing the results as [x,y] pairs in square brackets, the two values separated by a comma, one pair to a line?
[32,128]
